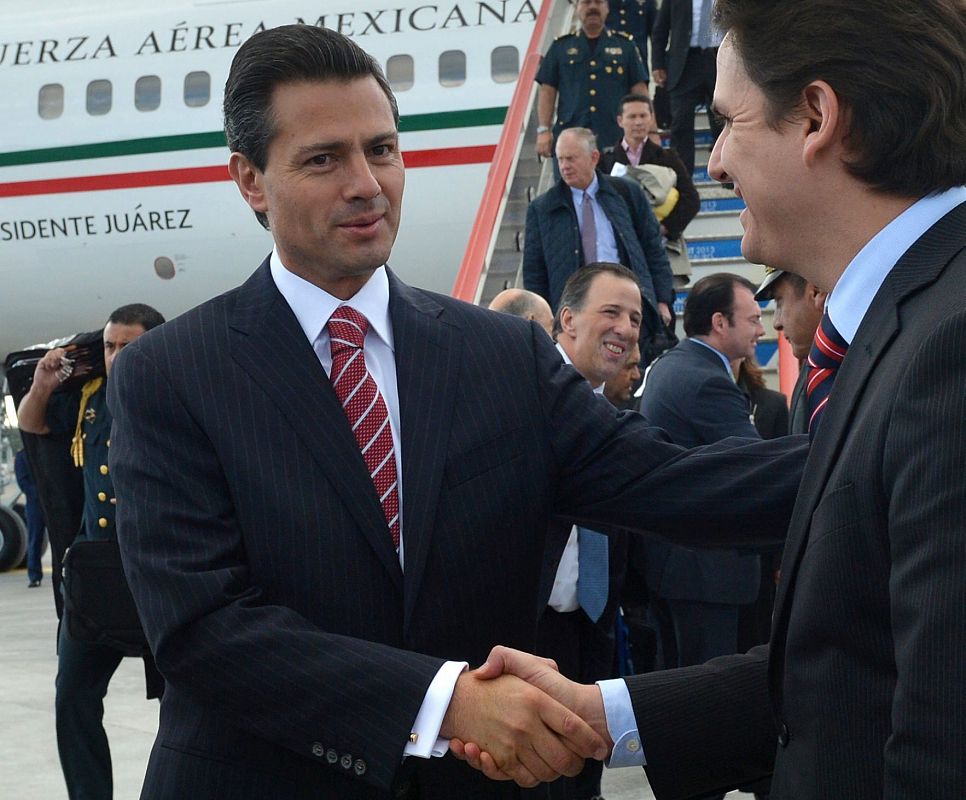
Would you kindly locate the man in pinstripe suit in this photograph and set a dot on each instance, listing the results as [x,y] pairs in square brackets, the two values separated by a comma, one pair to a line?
[313,631]
[863,693]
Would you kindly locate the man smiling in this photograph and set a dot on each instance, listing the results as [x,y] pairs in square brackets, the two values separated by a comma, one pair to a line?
[324,474]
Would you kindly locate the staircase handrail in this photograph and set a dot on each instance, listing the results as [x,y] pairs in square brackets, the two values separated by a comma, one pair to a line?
[483,233]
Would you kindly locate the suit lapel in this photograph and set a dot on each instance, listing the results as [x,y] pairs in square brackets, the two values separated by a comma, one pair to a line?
[269,344]
[427,350]
[920,266]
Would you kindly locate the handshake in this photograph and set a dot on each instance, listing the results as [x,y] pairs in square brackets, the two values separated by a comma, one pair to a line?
[517,718]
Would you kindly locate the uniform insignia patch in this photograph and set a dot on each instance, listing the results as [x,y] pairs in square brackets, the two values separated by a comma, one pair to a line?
[90,415]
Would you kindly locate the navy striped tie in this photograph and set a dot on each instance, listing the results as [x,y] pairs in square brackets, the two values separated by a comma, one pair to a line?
[828,351]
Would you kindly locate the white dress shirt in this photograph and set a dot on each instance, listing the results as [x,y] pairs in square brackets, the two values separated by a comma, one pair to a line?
[847,306]
[563,596]
[716,35]
[313,307]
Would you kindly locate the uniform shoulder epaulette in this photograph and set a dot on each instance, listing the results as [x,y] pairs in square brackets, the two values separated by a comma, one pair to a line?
[566,36]
[625,34]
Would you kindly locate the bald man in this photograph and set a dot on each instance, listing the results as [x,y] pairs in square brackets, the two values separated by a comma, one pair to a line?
[524,304]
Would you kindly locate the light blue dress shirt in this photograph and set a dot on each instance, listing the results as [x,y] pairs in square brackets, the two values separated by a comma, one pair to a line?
[847,305]
[606,243]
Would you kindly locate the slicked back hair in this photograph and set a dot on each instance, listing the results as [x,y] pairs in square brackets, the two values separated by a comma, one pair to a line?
[710,295]
[288,54]
[136,314]
[896,65]
[575,290]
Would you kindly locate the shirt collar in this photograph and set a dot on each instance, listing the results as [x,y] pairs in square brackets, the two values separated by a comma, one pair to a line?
[313,306]
[855,290]
[566,358]
[636,152]
[578,194]
[722,356]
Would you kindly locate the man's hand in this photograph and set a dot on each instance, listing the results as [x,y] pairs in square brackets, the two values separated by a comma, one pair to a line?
[53,369]
[660,76]
[585,701]
[664,310]
[544,140]
[527,736]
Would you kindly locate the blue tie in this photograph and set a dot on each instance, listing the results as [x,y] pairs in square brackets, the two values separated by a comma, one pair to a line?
[593,576]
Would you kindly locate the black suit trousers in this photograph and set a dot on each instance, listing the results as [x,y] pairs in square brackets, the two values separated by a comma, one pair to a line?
[695,87]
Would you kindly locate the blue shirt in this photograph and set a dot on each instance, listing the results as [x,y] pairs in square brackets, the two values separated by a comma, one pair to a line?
[606,241]
[847,306]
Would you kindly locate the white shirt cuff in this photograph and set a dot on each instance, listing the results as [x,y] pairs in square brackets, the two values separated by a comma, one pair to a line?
[621,725]
[424,741]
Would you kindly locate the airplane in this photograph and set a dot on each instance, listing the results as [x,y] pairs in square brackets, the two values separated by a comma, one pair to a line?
[113,179]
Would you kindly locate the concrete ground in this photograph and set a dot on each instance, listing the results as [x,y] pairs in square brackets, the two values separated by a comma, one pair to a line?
[29,768]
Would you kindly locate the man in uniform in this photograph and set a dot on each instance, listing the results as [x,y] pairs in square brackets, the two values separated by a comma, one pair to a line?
[85,669]
[635,18]
[590,71]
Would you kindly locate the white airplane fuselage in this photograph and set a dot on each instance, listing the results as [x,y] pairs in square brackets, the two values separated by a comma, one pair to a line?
[132,205]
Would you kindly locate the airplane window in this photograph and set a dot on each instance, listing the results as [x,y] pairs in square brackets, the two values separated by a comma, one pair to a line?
[400,73]
[99,97]
[197,89]
[452,68]
[505,64]
[50,101]
[147,93]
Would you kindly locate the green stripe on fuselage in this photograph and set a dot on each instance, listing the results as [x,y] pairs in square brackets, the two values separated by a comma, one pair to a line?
[199,141]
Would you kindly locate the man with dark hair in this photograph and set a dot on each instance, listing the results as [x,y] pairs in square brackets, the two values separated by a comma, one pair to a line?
[596,328]
[691,393]
[635,117]
[336,489]
[684,45]
[525,305]
[588,216]
[798,312]
[863,686]
[84,669]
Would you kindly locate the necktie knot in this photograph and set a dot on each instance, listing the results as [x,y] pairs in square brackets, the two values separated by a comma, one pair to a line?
[347,329]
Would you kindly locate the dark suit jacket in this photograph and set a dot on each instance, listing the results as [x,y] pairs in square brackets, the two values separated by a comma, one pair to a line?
[674,20]
[295,651]
[867,670]
[689,202]
[798,412]
[769,412]
[552,250]
[690,394]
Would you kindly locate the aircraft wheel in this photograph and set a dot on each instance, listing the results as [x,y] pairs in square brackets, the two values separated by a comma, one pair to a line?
[13,539]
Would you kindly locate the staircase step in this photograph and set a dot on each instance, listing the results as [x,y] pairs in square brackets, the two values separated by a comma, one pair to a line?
[714,247]
[718,204]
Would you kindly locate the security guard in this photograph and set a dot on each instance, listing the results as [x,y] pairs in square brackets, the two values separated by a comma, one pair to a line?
[636,18]
[590,71]
[84,669]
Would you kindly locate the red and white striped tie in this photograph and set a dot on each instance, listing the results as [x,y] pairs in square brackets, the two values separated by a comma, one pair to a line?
[365,408]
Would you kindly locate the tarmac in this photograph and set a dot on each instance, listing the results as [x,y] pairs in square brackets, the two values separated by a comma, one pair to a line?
[29,767]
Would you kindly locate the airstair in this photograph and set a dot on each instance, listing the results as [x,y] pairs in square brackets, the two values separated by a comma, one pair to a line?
[517,175]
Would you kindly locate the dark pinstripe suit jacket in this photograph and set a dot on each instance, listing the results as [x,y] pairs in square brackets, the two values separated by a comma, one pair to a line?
[295,651]
[867,670]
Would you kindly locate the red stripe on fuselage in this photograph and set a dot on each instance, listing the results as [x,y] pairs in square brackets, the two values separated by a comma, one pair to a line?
[451,156]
